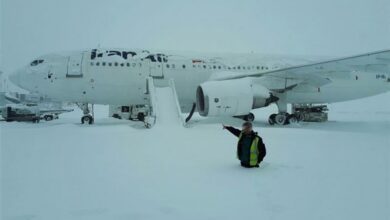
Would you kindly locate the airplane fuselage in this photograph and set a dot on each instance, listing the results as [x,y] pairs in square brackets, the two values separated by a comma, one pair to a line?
[118,77]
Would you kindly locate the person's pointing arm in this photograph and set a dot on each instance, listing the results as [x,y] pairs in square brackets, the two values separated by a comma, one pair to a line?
[232,130]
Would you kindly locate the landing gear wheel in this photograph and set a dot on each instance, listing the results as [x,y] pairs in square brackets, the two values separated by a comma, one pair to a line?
[88,119]
[281,119]
[147,125]
[249,117]
[292,119]
[271,119]
[149,121]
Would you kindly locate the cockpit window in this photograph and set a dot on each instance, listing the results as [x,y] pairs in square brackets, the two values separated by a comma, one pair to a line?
[36,62]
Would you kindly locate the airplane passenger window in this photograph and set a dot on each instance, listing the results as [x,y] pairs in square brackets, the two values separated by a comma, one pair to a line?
[128,64]
[258,67]
[243,67]
[214,67]
[116,64]
[167,65]
[109,64]
[219,67]
[134,64]
[238,67]
[229,68]
[122,64]
[184,66]
[97,63]
[204,66]
[91,63]
[103,63]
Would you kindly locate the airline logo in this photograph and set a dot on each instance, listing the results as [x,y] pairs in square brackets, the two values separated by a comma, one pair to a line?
[95,53]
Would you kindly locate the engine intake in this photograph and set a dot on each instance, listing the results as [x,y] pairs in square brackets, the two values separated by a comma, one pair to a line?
[231,97]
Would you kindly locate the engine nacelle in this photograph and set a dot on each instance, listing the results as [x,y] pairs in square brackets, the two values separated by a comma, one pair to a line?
[231,97]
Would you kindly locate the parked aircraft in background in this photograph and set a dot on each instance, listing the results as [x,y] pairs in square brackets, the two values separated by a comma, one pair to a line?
[220,86]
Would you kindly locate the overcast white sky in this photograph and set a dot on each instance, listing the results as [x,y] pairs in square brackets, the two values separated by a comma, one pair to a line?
[30,28]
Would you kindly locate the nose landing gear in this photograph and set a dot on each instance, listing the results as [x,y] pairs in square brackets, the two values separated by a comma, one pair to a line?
[87,118]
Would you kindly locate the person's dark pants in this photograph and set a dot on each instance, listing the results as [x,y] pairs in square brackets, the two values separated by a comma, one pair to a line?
[246,165]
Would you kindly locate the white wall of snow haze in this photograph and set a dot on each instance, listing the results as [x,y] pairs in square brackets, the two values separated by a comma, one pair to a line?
[116,169]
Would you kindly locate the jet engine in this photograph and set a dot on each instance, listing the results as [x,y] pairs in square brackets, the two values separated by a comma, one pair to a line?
[231,97]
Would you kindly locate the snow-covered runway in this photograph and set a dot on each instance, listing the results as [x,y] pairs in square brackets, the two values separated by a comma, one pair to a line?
[119,170]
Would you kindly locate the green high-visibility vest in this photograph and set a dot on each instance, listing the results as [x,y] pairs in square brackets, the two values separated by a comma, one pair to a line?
[254,154]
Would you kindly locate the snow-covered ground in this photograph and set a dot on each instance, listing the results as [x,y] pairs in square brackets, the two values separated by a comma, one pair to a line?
[118,170]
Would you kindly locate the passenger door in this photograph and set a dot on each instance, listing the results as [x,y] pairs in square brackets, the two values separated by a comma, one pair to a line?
[75,65]
[156,66]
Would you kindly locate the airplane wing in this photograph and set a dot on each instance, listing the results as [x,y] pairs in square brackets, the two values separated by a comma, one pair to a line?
[315,74]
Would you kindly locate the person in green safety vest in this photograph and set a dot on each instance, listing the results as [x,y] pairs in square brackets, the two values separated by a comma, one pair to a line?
[250,148]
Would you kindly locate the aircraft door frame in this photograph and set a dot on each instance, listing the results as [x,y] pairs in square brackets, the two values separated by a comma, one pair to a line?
[74,67]
[156,66]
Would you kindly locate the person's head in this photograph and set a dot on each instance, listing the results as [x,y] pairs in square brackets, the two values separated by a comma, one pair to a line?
[247,127]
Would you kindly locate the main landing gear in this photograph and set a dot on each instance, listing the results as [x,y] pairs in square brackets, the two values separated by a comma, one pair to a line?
[282,118]
[87,118]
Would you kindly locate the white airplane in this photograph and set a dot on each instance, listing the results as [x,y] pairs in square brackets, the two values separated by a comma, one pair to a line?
[220,86]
